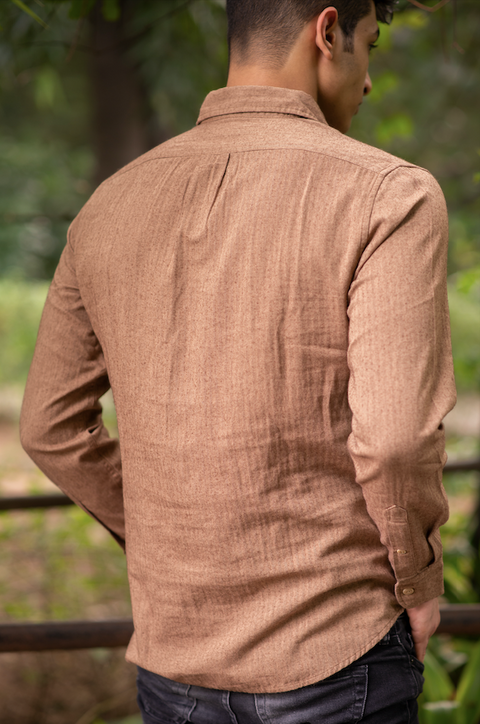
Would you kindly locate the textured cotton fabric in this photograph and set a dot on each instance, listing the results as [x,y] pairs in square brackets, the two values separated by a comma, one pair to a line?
[267,299]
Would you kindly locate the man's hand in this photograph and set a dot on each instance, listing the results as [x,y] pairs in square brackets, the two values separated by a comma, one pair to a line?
[424,620]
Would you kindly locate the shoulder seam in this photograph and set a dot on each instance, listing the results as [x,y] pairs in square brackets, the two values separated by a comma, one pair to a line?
[382,171]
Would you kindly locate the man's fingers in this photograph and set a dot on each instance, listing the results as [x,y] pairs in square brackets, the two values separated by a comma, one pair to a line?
[424,621]
[420,648]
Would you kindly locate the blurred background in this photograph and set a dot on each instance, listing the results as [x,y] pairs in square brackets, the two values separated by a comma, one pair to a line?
[85,87]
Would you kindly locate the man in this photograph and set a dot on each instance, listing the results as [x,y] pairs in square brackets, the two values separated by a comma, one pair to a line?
[267,299]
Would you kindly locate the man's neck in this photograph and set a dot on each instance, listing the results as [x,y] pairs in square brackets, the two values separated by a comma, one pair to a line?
[297,73]
[255,75]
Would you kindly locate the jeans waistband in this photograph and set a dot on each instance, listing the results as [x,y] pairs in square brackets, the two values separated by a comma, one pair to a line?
[400,631]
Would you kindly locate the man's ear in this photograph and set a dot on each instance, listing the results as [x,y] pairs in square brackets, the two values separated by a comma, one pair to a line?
[327,31]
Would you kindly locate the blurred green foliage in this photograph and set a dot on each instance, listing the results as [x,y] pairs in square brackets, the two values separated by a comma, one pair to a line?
[443,702]
[464,302]
[42,186]
[67,567]
[423,107]
[21,305]
[29,12]
[179,51]
[458,551]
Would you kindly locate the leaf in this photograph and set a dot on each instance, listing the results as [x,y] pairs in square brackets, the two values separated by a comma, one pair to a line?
[27,10]
[465,322]
[47,88]
[413,19]
[399,125]
[382,84]
[438,685]
[440,712]
[468,691]
[111,10]
[466,280]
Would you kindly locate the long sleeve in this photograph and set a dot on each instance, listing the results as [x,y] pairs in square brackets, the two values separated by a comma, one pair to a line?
[61,424]
[401,377]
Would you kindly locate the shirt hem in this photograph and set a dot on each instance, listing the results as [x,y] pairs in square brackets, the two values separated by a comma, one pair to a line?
[291,686]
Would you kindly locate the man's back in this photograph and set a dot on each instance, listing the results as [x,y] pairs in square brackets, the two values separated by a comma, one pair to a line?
[259,290]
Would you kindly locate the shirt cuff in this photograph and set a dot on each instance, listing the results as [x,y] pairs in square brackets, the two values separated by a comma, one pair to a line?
[425,586]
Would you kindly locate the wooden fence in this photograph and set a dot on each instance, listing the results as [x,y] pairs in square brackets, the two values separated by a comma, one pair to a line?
[27,502]
[456,619]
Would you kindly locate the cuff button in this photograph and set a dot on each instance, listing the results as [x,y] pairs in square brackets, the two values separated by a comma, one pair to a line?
[408,591]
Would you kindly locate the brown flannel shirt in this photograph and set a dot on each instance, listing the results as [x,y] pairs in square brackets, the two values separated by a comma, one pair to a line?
[267,299]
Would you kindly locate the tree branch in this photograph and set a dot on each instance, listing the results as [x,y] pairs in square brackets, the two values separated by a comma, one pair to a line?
[427,8]
[455,43]
[433,9]
[76,40]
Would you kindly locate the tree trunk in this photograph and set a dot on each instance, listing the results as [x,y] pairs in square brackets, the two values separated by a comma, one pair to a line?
[122,128]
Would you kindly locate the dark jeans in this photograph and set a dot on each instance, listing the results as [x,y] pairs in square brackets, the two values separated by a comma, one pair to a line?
[379,688]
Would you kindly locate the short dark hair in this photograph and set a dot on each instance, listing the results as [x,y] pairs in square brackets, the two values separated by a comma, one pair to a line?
[267,20]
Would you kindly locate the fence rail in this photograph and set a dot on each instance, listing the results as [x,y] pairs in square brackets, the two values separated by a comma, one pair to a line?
[462,466]
[58,635]
[456,619]
[26,502]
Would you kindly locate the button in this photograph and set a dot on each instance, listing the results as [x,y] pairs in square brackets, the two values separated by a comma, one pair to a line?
[408,591]
[401,552]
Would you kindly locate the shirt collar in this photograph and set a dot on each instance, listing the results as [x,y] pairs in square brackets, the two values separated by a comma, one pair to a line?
[259,99]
